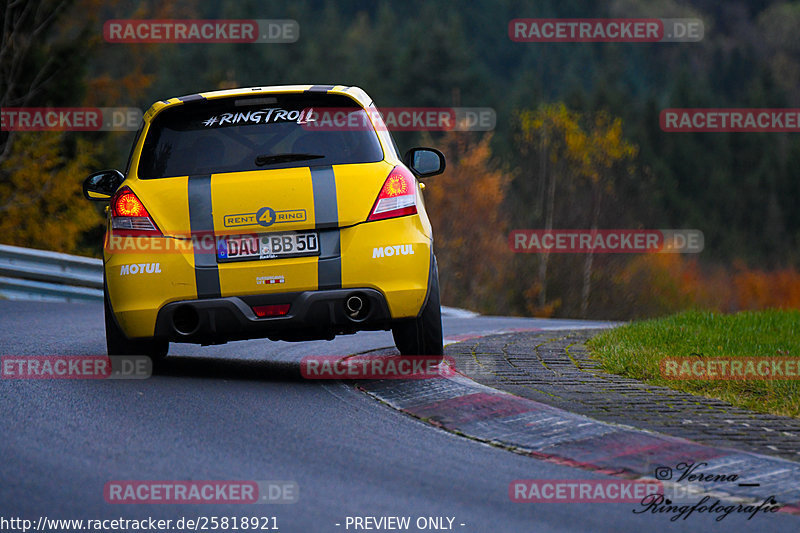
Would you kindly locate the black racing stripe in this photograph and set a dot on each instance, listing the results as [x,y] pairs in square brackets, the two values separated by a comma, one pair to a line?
[329,267]
[201,222]
[326,210]
[191,98]
[326,217]
[320,88]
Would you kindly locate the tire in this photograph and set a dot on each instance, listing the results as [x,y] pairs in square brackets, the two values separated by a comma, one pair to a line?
[423,335]
[117,344]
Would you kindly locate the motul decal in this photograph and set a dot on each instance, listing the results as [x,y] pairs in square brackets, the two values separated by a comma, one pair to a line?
[140,268]
[389,251]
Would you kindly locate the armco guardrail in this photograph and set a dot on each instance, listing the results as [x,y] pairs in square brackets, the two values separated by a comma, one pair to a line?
[27,274]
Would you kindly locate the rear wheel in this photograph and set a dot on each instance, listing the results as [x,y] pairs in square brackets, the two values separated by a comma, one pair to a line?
[423,335]
[118,344]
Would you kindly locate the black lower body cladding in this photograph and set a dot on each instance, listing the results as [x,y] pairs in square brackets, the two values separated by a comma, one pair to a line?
[312,315]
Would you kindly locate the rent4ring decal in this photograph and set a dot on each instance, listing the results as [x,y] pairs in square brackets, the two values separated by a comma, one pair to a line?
[266,216]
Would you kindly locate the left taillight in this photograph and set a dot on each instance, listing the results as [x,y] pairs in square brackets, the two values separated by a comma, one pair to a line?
[398,196]
[129,215]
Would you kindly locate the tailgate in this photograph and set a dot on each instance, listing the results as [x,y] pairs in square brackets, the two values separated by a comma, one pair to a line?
[295,199]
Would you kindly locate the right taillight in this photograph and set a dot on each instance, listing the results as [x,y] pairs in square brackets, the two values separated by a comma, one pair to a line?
[398,196]
[129,215]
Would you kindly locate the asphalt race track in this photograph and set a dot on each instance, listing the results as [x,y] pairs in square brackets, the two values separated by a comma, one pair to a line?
[241,412]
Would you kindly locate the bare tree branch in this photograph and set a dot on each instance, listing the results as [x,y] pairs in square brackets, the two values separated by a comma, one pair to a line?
[23,25]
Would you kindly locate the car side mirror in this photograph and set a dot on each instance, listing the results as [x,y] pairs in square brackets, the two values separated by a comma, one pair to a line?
[100,186]
[425,162]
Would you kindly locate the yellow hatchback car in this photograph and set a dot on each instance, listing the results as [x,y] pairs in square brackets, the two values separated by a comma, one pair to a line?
[243,214]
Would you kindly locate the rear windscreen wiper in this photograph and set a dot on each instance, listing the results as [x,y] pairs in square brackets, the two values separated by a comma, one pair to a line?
[269,159]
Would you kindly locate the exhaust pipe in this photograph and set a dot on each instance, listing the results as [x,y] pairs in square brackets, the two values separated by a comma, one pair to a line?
[356,307]
[185,320]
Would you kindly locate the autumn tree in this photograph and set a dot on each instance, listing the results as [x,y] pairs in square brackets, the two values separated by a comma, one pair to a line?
[43,205]
[602,154]
[34,57]
[465,205]
[545,134]
[43,54]
[582,157]
[40,172]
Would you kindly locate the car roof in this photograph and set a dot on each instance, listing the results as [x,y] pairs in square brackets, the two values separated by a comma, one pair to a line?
[353,92]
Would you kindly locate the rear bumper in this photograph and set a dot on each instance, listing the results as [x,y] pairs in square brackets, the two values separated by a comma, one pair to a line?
[312,315]
[390,257]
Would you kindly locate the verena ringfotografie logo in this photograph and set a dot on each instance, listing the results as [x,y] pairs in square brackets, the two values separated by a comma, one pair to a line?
[722,120]
[730,368]
[179,491]
[75,367]
[692,486]
[70,118]
[652,496]
[606,241]
[376,367]
[605,30]
[201,31]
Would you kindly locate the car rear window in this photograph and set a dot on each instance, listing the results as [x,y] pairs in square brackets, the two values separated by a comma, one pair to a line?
[254,133]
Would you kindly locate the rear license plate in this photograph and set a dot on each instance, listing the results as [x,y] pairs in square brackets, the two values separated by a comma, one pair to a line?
[268,246]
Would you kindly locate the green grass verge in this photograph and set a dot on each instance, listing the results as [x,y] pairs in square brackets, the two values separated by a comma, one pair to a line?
[636,350]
